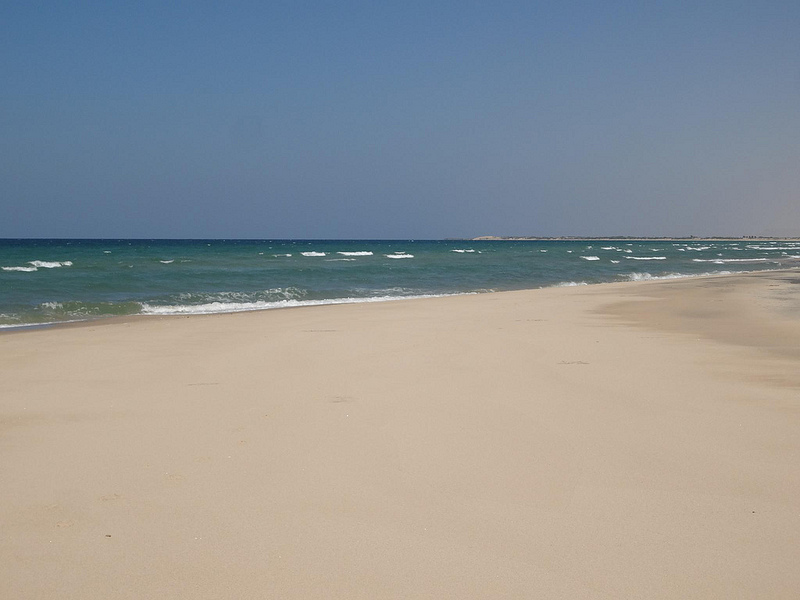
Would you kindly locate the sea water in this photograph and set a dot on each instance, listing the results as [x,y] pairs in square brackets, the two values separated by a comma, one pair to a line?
[51,281]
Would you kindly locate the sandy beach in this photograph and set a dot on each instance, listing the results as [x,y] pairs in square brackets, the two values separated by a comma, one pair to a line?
[636,440]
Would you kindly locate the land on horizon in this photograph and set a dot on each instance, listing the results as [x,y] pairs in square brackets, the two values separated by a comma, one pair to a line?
[668,238]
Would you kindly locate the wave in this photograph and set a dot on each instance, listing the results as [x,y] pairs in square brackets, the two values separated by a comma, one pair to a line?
[232,307]
[39,264]
[399,255]
[462,250]
[590,257]
[646,257]
[314,253]
[21,269]
[774,247]
[359,253]
[43,264]
[648,276]
[166,262]
[720,261]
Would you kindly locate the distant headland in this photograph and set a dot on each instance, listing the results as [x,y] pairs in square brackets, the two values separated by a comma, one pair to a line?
[687,238]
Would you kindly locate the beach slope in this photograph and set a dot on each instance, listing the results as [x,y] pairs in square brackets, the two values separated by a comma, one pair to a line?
[634,440]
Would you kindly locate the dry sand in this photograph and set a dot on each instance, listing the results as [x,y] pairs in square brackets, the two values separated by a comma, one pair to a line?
[616,441]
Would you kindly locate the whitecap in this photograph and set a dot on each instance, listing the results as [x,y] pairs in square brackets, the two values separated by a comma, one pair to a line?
[647,257]
[359,253]
[166,262]
[590,257]
[21,269]
[399,255]
[773,247]
[721,261]
[50,265]
[462,250]
[313,253]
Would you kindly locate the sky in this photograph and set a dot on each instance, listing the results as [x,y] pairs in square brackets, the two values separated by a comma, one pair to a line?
[399,119]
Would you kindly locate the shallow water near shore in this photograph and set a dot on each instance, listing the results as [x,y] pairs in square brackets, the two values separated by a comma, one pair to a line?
[52,281]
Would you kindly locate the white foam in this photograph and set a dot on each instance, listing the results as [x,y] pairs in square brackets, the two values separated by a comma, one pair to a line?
[648,276]
[616,262]
[43,324]
[230,307]
[570,283]
[398,255]
[313,253]
[590,257]
[646,257]
[773,247]
[608,248]
[340,260]
[721,261]
[50,265]
[463,250]
[22,269]
[360,253]
[280,255]
[166,262]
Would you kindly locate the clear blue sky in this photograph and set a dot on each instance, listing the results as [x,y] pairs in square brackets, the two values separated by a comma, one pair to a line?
[348,119]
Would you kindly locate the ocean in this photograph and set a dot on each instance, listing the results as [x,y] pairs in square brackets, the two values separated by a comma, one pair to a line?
[54,281]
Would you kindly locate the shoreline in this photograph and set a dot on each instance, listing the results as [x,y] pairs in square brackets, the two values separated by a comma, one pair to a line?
[110,320]
[598,441]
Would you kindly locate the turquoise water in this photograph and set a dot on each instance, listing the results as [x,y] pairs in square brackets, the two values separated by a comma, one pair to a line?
[51,281]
